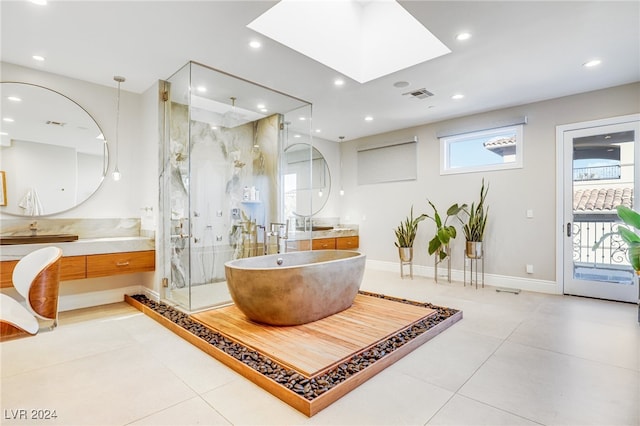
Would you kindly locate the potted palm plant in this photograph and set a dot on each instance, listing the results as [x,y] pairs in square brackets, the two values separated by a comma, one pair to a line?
[406,234]
[475,225]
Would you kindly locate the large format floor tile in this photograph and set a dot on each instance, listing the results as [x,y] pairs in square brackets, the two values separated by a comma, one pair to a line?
[449,359]
[390,398]
[110,388]
[194,411]
[512,360]
[460,410]
[552,388]
[618,346]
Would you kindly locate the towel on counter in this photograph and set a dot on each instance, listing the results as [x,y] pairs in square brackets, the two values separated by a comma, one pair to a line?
[31,203]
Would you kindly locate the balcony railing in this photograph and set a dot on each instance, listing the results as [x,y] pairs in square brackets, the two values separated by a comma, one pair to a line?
[596,173]
[609,262]
[612,250]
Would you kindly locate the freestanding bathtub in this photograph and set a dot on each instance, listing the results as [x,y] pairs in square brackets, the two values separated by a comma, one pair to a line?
[295,288]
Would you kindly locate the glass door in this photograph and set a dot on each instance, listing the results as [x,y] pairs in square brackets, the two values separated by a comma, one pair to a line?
[600,173]
[220,179]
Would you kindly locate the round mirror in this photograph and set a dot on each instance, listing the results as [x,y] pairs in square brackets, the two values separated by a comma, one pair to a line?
[53,156]
[306,180]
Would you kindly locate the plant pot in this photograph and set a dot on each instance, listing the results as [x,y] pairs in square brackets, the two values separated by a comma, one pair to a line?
[406,254]
[474,249]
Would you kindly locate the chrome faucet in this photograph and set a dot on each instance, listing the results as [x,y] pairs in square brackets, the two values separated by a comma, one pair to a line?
[264,239]
[33,226]
[281,232]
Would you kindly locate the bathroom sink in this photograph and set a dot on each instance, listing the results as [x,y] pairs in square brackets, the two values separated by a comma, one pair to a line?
[37,239]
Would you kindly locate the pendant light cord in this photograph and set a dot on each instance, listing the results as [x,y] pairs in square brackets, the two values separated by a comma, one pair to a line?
[116,172]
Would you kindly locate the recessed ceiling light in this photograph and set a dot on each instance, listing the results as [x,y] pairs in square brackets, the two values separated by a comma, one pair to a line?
[201,89]
[255,44]
[38,58]
[318,130]
[368,118]
[4,134]
[14,99]
[297,136]
[39,2]
[592,63]
[8,120]
[261,106]
[303,118]
[463,36]
[338,82]
[457,96]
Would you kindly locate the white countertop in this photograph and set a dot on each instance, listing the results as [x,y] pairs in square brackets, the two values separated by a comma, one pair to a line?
[329,233]
[82,247]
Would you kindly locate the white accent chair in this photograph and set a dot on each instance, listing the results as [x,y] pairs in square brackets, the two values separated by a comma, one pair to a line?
[36,277]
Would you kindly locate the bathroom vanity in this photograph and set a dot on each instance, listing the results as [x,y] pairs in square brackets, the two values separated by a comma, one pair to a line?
[326,240]
[89,258]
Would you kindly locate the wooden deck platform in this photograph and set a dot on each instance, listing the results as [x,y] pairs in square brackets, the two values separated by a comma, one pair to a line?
[315,348]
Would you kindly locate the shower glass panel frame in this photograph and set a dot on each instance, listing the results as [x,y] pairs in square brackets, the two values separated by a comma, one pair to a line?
[220,179]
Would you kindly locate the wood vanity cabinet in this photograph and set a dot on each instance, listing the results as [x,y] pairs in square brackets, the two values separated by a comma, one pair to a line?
[103,265]
[92,266]
[348,243]
[338,243]
[73,268]
[298,245]
[323,244]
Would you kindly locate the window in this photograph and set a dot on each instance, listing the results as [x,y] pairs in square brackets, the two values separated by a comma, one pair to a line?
[494,149]
[603,157]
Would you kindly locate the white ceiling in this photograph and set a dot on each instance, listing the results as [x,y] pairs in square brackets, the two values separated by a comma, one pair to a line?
[520,52]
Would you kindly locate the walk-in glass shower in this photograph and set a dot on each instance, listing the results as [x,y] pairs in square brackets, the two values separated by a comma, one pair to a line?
[221,178]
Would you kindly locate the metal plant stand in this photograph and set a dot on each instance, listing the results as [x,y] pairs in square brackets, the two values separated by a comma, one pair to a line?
[406,258]
[447,259]
[474,251]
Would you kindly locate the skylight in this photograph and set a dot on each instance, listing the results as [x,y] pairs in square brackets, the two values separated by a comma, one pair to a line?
[363,40]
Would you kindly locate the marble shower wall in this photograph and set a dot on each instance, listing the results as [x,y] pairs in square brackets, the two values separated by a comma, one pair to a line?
[225,164]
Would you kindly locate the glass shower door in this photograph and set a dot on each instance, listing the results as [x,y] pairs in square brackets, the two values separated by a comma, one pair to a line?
[220,183]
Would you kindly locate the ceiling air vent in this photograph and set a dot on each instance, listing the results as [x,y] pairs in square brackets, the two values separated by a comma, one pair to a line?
[56,123]
[419,93]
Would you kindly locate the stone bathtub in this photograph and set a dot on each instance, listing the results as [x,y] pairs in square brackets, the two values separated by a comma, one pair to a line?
[295,288]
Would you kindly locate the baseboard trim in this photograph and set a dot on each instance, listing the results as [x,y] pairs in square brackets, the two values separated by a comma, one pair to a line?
[494,280]
[104,297]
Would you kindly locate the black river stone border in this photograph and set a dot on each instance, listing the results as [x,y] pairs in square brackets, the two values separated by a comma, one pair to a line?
[308,387]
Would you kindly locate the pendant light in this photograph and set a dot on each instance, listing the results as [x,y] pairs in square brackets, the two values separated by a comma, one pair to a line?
[116,173]
[341,188]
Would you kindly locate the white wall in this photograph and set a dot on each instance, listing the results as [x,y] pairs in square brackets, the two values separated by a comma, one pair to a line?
[512,240]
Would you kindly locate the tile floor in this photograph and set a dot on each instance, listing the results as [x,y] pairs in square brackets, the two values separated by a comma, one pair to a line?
[513,360]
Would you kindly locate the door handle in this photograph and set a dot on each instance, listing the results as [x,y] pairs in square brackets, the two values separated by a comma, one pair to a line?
[568,229]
